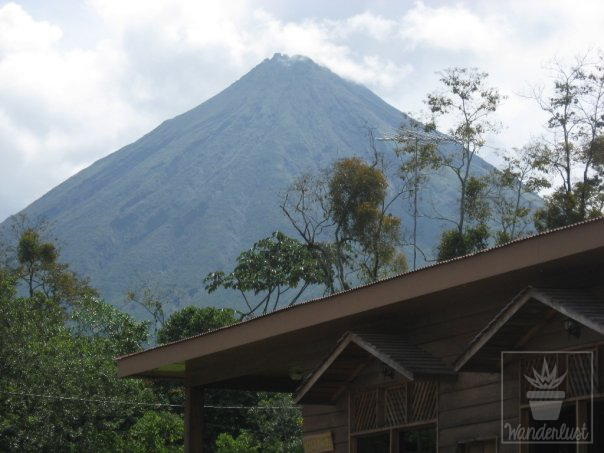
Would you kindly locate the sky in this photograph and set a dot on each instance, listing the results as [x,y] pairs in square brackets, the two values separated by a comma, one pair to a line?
[80,79]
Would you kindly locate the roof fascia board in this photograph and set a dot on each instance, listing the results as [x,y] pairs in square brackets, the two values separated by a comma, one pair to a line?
[306,386]
[587,322]
[383,358]
[535,251]
[347,340]
[510,310]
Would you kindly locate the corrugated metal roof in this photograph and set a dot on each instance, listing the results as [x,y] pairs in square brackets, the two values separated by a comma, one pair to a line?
[393,350]
[400,351]
[401,275]
[576,304]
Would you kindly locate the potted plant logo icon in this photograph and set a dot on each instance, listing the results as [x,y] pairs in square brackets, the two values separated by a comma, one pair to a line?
[545,402]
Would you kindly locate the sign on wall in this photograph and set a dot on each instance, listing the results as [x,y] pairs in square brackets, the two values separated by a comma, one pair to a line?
[318,443]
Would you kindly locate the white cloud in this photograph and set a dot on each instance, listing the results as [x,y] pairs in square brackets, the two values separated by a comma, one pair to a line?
[63,105]
[453,28]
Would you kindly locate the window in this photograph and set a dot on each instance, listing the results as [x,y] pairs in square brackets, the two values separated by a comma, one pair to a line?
[417,441]
[375,443]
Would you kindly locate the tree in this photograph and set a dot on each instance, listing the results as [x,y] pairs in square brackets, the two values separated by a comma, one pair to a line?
[159,432]
[277,428]
[237,421]
[342,215]
[416,147]
[192,320]
[272,267]
[38,267]
[469,103]
[575,151]
[357,195]
[59,389]
[512,189]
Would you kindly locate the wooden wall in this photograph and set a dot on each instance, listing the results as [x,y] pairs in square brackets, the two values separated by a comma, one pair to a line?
[470,403]
[318,419]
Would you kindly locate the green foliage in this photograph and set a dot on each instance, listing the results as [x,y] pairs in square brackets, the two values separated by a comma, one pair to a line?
[278,424]
[357,196]
[512,193]
[243,443]
[564,208]
[42,360]
[158,432]
[273,266]
[342,215]
[59,389]
[38,268]
[276,428]
[193,320]
[356,191]
[454,244]
[574,154]
[116,331]
[468,102]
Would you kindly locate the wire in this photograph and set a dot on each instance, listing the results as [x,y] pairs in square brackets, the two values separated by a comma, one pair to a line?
[136,403]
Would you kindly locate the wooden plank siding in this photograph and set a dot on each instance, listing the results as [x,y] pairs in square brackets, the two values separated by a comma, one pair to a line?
[470,403]
[318,419]
[471,407]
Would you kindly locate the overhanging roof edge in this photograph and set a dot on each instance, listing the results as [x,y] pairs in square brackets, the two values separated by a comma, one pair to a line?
[513,256]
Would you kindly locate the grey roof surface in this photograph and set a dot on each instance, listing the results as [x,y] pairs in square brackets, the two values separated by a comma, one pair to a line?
[527,307]
[393,350]
[398,349]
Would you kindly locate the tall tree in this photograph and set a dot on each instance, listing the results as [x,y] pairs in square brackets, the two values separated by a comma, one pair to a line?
[342,215]
[468,102]
[416,147]
[574,152]
[512,191]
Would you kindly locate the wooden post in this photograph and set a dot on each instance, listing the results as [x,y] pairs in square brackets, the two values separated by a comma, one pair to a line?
[193,419]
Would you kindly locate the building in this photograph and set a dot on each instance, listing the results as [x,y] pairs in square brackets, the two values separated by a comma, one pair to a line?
[431,360]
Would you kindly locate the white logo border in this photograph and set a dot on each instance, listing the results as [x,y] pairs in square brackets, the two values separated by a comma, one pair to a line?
[521,442]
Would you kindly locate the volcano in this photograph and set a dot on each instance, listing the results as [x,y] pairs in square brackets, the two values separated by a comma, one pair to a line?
[189,196]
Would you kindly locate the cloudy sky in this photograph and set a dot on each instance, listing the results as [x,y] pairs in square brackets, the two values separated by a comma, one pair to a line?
[81,78]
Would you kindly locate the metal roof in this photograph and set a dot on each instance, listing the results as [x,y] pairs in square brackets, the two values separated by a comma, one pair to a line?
[522,314]
[563,246]
[393,350]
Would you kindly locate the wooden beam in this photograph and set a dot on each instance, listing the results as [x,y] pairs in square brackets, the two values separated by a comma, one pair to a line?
[500,320]
[257,383]
[381,357]
[307,385]
[570,313]
[193,419]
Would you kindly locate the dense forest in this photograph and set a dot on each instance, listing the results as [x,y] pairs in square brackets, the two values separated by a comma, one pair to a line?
[58,339]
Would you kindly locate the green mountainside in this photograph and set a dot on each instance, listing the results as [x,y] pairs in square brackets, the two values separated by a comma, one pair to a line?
[189,196]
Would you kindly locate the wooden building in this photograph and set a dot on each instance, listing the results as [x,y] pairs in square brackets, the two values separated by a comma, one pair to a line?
[430,360]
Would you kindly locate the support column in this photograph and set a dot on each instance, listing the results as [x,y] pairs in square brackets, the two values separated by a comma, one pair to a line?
[193,419]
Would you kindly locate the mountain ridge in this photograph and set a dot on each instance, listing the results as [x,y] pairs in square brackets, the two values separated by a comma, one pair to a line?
[187,197]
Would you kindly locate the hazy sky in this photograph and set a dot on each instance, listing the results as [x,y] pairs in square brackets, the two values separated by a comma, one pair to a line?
[80,79]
